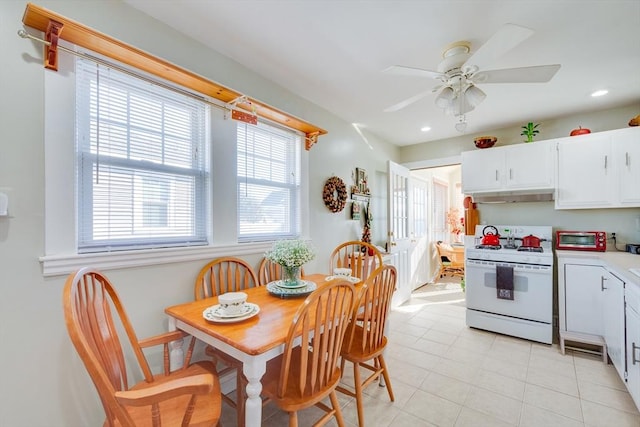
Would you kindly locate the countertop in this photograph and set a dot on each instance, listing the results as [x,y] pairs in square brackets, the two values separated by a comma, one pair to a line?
[618,262]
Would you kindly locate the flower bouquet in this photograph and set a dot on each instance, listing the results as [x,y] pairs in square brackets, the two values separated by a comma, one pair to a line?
[290,255]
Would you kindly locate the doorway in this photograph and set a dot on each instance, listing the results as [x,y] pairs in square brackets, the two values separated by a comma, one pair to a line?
[444,214]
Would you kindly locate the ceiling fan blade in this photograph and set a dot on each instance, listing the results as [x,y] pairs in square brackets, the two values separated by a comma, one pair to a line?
[535,74]
[413,72]
[505,39]
[408,101]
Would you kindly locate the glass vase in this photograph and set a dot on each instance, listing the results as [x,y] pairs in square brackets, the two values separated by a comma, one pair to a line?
[291,276]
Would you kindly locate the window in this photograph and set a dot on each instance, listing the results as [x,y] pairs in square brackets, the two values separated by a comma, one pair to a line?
[268,183]
[142,168]
[440,207]
[419,208]
[155,187]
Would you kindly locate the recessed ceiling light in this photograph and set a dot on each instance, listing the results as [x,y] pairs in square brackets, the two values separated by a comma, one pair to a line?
[600,93]
[425,129]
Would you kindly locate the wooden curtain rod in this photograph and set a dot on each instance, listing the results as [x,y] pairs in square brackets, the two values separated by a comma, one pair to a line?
[59,27]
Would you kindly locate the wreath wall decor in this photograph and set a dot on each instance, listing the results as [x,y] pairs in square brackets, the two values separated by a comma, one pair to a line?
[334,194]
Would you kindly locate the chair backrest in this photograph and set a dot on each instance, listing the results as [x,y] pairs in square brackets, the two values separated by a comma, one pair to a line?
[315,340]
[89,300]
[371,309]
[361,257]
[227,274]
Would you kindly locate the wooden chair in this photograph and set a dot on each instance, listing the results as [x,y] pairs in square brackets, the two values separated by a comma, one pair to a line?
[362,258]
[365,338]
[455,264]
[94,315]
[269,271]
[226,274]
[307,372]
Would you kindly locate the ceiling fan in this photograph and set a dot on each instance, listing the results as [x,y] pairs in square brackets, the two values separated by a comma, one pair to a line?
[461,72]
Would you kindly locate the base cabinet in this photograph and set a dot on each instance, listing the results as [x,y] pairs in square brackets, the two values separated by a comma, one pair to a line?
[613,319]
[633,342]
[582,301]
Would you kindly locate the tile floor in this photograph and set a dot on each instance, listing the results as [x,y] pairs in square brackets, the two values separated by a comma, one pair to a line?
[446,374]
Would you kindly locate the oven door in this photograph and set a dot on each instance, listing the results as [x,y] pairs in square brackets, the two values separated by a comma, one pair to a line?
[532,284]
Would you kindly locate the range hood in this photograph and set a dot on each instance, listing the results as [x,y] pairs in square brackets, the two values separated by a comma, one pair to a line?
[546,195]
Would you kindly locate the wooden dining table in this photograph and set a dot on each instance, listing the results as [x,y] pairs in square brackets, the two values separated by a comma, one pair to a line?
[253,341]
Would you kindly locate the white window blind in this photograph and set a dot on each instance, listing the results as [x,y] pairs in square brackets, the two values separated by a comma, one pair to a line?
[268,182]
[142,169]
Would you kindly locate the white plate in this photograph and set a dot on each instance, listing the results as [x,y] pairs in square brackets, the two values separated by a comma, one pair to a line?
[211,313]
[218,311]
[352,279]
[280,284]
[273,288]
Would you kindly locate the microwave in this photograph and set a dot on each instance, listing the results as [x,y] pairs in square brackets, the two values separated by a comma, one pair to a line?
[581,240]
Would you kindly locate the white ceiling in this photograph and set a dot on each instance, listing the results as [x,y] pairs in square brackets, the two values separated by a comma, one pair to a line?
[333,52]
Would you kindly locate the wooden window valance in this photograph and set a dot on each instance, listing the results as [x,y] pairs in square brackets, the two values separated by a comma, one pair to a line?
[59,27]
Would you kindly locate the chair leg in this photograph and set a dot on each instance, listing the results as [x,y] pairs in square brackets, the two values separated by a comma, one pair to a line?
[336,407]
[293,419]
[358,385]
[385,374]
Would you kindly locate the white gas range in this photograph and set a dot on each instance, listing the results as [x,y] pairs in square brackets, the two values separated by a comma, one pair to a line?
[509,281]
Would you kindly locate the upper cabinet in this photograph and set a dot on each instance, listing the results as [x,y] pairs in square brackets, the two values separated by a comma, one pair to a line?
[519,167]
[599,170]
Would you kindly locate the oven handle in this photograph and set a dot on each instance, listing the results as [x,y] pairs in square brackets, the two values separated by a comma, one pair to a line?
[491,265]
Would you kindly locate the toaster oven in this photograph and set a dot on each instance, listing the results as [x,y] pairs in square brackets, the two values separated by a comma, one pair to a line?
[581,240]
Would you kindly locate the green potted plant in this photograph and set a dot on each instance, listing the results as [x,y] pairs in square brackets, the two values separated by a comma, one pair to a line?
[530,130]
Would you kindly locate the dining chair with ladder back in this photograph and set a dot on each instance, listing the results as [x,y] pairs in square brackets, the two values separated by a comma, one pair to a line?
[94,315]
[361,257]
[451,261]
[269,271]
[308,370]
[365,339]
[227,274]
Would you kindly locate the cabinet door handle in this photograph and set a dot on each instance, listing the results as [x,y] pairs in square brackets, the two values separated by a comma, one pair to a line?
[626,158]
[602,286]
[605,161]
[634,347]
[510,173]
[496,174]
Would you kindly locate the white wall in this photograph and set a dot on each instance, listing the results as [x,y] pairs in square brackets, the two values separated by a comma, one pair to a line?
[43,382]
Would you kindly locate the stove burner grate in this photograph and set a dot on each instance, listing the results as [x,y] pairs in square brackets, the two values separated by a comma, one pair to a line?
[493,247]
[530,249]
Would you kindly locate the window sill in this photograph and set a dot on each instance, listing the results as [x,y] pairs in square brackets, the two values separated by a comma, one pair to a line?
[57,265]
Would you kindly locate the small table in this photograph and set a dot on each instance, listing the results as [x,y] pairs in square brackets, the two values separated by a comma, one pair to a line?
[253,341]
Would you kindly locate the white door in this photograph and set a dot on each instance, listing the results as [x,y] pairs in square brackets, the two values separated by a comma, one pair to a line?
[420,254]
[398,237]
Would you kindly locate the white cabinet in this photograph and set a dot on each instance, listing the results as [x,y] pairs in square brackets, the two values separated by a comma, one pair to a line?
[511,168]
[599,170]
[582,300]
[627,151]
[632,295]
[613,319]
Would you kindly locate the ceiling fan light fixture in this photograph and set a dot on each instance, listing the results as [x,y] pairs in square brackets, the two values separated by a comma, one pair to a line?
[461,125]
[445,98]
[474,95]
